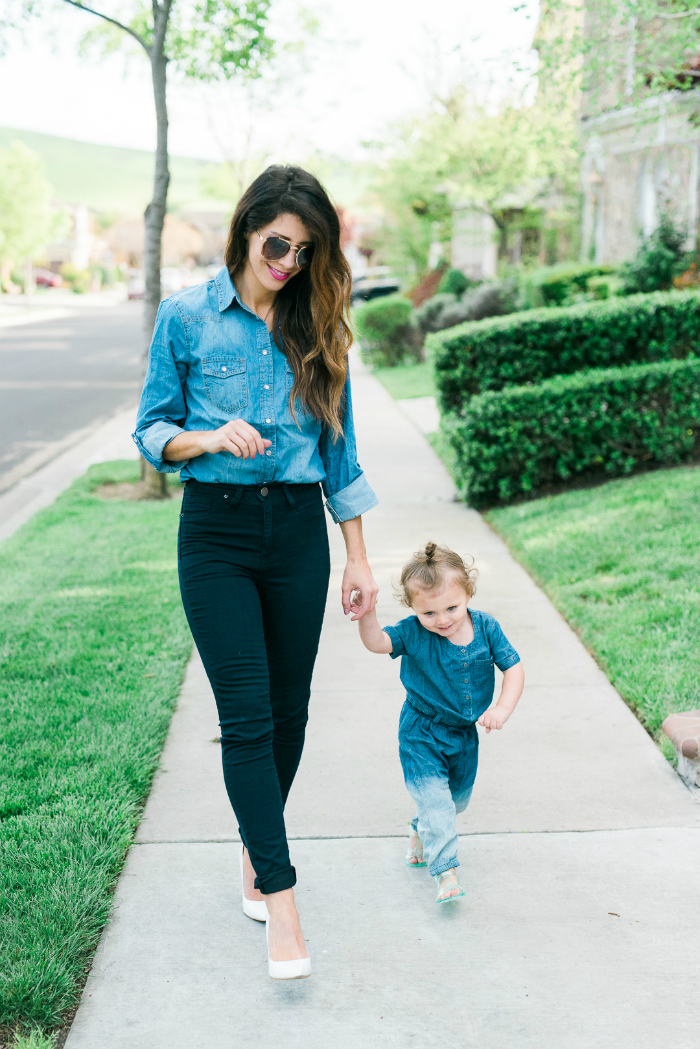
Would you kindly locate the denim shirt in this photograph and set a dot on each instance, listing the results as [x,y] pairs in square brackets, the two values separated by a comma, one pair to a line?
[213,360]
[451,683]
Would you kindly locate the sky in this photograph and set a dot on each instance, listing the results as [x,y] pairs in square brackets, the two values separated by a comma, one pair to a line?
[370,63]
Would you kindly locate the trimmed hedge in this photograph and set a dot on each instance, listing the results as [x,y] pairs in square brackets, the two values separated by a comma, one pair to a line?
[558,283]
[537,344]
[597,424]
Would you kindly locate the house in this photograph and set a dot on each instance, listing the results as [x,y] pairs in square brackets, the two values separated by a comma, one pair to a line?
[641,150]
[639,161]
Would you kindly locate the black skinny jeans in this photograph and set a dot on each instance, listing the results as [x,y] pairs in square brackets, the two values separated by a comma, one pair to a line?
[254,567]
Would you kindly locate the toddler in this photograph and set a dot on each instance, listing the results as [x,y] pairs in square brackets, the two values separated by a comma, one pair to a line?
[448,652]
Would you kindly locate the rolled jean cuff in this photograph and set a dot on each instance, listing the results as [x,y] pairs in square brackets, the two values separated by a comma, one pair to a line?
[434,871]
[277,882]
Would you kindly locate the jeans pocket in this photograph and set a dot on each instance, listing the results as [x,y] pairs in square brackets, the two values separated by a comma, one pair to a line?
[226,382]
[195,504]
[310,503]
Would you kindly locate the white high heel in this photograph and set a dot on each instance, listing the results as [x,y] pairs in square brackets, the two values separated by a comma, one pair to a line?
[296,969]
[255,909]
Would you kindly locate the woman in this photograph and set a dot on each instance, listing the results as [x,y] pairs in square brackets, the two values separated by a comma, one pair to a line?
[248,395]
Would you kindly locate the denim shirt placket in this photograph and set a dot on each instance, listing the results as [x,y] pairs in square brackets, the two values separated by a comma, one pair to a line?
[465,667]
[267,393]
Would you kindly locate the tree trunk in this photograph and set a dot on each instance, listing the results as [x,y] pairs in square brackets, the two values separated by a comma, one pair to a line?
[153,484]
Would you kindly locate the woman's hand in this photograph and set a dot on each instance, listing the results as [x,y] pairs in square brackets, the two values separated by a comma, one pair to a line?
[359,589]
[237,437]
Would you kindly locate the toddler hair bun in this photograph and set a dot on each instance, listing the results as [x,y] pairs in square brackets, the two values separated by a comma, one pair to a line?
[428,569]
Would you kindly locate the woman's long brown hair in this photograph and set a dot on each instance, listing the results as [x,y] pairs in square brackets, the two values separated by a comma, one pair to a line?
[311,311]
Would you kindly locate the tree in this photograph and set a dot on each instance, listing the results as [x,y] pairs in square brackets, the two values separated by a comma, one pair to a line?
[27,221]
[239,122]
[204,40]
[622,52]
[461,150]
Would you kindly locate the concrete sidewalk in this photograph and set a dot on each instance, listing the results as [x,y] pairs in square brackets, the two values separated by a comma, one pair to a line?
[580,850]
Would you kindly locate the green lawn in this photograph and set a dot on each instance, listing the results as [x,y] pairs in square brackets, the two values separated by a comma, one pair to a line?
[622,563]
[94,645]
[408,380]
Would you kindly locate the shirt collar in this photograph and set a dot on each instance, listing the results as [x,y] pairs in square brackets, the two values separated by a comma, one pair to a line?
[226,289]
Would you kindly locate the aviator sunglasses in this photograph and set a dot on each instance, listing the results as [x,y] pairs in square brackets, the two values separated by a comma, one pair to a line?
[275,248]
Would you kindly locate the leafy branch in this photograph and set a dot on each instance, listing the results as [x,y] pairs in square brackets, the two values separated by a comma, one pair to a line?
[114,22]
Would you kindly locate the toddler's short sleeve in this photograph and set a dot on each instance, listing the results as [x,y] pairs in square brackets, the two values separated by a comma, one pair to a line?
[400,636]
[504,655]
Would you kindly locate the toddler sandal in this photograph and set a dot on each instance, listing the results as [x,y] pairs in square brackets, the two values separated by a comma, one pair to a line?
[414,855]
[445,885]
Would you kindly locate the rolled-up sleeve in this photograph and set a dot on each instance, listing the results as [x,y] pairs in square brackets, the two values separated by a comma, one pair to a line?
[345,486]
[163,411]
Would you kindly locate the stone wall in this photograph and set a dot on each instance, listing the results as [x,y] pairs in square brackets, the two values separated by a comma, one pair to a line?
[638,163]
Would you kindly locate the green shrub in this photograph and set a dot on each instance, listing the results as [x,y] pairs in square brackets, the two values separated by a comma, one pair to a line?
[385,327]
[559,285]
[490,299]
[537,344]
[659,259]
[428,316]
[565,281]
[454,282]
[604,287]
[597,424]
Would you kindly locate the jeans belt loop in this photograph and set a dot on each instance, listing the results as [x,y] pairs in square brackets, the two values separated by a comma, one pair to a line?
[236,497]
[290,498]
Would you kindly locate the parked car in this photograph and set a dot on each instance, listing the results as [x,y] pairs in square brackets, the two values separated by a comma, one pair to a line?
[373,284]
[47,279]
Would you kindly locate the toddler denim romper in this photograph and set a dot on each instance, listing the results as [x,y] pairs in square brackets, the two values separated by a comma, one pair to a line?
[448,688]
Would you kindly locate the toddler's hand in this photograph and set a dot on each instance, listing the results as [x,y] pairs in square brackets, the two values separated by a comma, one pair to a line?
[494,717]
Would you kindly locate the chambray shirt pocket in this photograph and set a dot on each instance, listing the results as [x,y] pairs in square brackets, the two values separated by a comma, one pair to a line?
[226,382]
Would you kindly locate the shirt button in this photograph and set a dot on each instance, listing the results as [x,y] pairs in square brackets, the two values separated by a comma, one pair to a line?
[268,452]
[268,420]
[223,367]
[264,353]
[266,387]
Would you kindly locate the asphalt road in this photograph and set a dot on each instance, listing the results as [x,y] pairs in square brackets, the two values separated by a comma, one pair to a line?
[60,377]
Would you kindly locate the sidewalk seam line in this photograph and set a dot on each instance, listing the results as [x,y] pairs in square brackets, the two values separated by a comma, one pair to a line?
[379,837]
